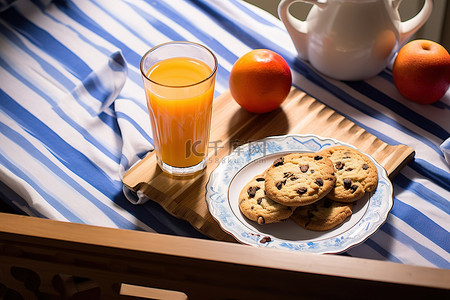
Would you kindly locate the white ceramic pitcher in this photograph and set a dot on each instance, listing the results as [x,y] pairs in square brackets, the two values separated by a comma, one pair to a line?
[351,39]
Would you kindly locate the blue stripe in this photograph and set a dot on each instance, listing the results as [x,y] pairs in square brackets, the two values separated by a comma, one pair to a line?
[240,33]
[73,159]
[215,46]
[71,10]
[400,109]
[372,244]
[423,192]
[110,121]
[49,69]
[187,24]
[207,39]
[131,57]
[423,251]
[43,40]
[428,170]
[158,25]
[421,223]
[44,10]
[92,83]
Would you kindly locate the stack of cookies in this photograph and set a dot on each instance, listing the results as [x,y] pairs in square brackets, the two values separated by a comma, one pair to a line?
[316,190]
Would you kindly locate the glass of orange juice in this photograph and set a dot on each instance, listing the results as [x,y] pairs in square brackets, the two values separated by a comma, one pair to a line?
[179,80]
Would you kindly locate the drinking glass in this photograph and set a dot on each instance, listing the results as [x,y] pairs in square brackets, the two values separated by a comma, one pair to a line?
[179,79]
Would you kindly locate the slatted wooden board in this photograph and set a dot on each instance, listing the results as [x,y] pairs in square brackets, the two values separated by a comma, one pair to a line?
[231,126]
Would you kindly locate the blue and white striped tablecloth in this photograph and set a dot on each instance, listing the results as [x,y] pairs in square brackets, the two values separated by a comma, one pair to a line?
[73,116]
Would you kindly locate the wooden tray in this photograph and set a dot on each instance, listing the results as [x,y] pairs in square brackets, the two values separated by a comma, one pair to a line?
[232,126]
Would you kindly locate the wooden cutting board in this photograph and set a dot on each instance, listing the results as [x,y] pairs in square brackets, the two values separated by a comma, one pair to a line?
[232,126]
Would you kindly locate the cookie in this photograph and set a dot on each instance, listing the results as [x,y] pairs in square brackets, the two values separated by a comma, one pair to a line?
[258,207]
[299,179]
[322,215]
[355,173]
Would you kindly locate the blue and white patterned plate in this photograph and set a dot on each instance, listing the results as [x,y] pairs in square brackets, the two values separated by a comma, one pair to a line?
[246,161]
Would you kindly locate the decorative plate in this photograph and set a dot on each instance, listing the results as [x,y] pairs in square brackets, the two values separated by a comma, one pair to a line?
[248,160]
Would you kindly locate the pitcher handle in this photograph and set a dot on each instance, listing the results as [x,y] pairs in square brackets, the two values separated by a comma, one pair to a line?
[408,28]
[296,28]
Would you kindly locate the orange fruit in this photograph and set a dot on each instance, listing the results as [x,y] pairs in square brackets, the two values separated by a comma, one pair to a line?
[260,80]
[421,71]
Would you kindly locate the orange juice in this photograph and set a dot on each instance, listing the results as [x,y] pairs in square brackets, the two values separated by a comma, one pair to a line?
[179,96]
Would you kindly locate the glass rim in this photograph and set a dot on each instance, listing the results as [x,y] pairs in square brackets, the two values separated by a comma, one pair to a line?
[141,64]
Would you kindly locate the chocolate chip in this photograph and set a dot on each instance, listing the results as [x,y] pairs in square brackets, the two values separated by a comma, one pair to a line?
[287,174]
[261,220]
[365,166]
[280,184]
[318,157]
[265,239]
[347,183]
[260,199]
[252,207]
[349,169]
[354,188]
[326,203]
[312,171]
[319,181]
[278,162]
[339,165]
[252,191]
[301,190]
[304,168]
[260,179]
[292,178]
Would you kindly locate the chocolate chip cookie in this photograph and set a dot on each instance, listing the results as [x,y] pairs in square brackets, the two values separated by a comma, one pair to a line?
[258,207]
[299,179]
[355,173]
[322,215]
